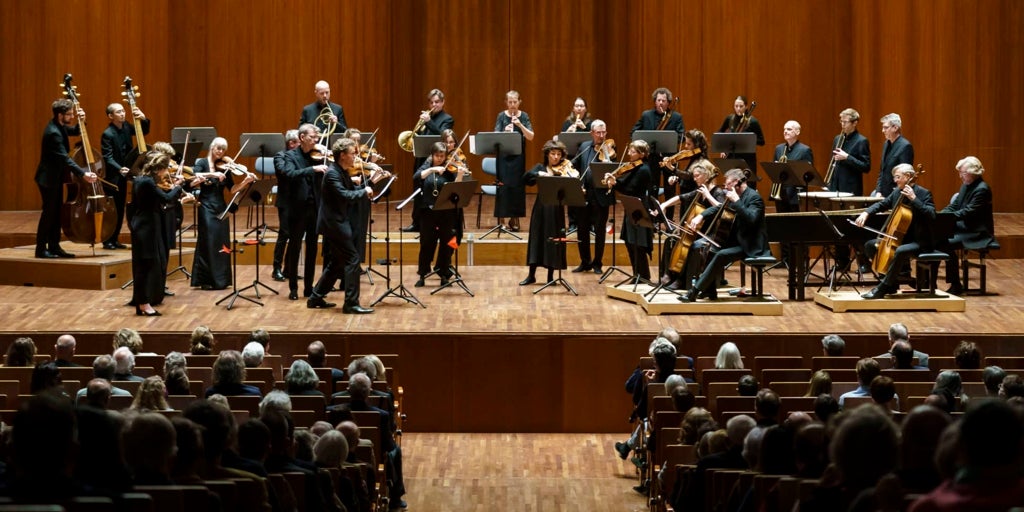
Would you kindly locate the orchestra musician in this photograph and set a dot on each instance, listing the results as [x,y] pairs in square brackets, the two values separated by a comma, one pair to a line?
[694,141]
[334,221]
[747,238]
[851,153]
[148,230]
[301,198]
[637,183]
[211,266]
[510,200]
[291,141]
[707,194]
[918,235]
[437,227]
[433,122]
[661,117]
[361,222]
[54,161]
[116,144]
[311,113]
[451,144]
[732,122]
[547,221]
[897,150]
[579,119]
[790,151]
[173,213]
[593,216]
[972,207]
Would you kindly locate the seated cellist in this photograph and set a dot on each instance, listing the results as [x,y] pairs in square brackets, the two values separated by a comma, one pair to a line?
[706,195]
[918,235]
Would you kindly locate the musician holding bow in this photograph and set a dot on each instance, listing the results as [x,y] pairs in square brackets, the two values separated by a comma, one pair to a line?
[918,235]
[636,182]
[661,117]
[593,216]
[116,145]
[748,237]
[303,174]
[437,227]
[706,195]
[547,221]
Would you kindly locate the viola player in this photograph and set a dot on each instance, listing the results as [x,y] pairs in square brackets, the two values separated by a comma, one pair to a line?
[594,215]
[636,183]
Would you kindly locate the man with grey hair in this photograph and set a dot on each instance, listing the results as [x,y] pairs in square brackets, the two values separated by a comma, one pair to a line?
[124,363]
[972,207]
[64,350]
[594,215]
[833,345]
[102,369]
[897,150]
[252,355]
[303,173]
[276,399]
[291,141]
[359,386]
[899,332]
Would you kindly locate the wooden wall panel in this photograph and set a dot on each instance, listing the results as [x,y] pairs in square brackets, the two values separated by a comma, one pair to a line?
[952,70]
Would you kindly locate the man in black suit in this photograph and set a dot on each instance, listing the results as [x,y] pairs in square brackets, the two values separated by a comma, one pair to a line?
[897,150]
[311,112]
[118,155]
[594,215]
[291,141]
[918,237]
[337,209]
[53,161]
[435,121]
[852,157]
[972,207]
[300,197]
[661,117]
[748,237]
[793,150]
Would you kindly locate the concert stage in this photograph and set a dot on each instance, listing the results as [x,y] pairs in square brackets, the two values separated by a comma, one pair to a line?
[665,302]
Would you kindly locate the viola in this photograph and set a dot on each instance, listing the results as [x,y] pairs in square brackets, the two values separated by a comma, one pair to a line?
[606,151]
[369,154]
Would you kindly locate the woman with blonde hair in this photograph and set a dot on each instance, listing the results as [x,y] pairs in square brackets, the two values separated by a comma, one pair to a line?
[152,396]
[202,341]
[728,357]
[821,383]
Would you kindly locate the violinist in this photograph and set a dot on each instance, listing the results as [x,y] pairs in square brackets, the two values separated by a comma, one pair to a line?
[748,237]
[149,239]
[594,215]
[211,268]
[510,200]
[291,141]
[54,160]
[707,194]
[661,117]
[334,114]
[303,173]
[918,235]
[579,119]
[637,183]
[433,121]
[897,150]
[361,171]
[740,121]
[695,143]
[972,206]
[173,213]
[459,161]
[547,221]
[437,227]
[790,151]
[116,144]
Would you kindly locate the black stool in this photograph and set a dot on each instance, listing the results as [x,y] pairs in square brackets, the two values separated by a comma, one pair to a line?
[757,267]
[927,267]
[966,265]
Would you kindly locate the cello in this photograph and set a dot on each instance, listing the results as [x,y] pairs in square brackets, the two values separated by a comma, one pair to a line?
[687,236]
[896,226]
[91,216]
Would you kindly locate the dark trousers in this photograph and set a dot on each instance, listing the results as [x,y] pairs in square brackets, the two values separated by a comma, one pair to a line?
[950,247]
[900,259]
[342,261]
[119,195]
[638,260]
[436,229]
[591,216]
[282,237]
[48,231]
[712,274]
[302,223]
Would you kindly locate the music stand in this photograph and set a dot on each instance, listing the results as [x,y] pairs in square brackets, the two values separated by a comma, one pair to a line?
[572,141]
[235,294]
[455,195]
[400,291]
[498,144]
[597,172]
[842,274]
[421,145]
[201,136]
[637,213]
[733,143]
[260,145]
[660,141]
[559,191]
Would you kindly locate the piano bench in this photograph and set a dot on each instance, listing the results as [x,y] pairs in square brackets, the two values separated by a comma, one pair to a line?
[757,266]
[927,267]
[966,265]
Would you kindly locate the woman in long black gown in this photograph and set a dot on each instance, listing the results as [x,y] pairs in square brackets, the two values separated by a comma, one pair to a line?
[636,183]
[211,266]
[152,190]
[547,221]
[510,200]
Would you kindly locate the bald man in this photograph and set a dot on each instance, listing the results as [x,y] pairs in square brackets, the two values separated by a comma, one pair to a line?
[64,351]
[793,150]
[311,112]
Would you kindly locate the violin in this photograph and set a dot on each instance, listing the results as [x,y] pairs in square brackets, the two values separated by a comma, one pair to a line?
[227,164]
[622,169]
[183,170]
[685,154]
[563,168]
[606,152]
[369,154]
[320,153]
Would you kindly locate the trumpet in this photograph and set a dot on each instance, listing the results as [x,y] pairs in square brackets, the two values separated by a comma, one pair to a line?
[405,138]
[776,193]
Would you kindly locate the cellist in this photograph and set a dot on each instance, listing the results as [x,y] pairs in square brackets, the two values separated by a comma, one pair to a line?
[54,159]
[706,195]
[918,235]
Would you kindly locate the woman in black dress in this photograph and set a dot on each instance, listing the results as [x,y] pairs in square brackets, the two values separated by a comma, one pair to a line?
[547,221]
[211,266]
[732,123]
[579,119]
[152,191]
[510,200]
[635,182]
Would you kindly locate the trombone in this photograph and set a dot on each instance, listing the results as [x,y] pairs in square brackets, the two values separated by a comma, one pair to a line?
[405,138]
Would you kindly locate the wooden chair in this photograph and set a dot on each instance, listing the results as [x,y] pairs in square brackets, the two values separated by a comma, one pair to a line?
[716,375]
[202,374]
[941,363]
[842,375]
[245,403]
[316,404]
[702,363]
[21,374]
[788,404]
[285,496]
[974,389]
[770,375]
[180,402]
[839,388]
[834,362]
[197,387]
[252,494]
[904,388]
[742,404]
[853,402]
[226,491]
[85,360]
[166,498]
[910,375]
[80,374]
[120,402]
[793,389]
[1012,364]
[131,386]
[196,361]
[155,361]
[265,375]
[762,363]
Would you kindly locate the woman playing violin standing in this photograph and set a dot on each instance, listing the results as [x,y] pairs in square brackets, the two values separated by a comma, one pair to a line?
[211,268]
[636,182]
[547,221]
[459,161]
[510,200]
[437,227]
[707,194]
[579,119]
[148,228]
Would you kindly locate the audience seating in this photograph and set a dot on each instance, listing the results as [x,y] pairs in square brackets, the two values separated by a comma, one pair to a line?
[833,362]
[764,362]
[910,375]
[770,375]
[1011,364]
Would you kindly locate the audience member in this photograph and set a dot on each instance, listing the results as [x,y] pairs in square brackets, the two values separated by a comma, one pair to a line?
[262,337]
[747,386]
[100,461]
[766,408]
[903,356]
[683,400]
[177,383]
[867,370]
[942,399]
[43,447]
[316,355]
[130,338]
[777,457]
[124,363]
[103,368]
[46,377]
[320,428]
[276,399]
[825,406]
[728,357]
[883,393]
[302,380]
[692,495]
[967,356]
[188,460]
[217,427]
[304,441]
[810,451]
[95,394]
[821,382]
[152,396]
[149,444]
[992,376]
[951,381]
[330,451]
[21,352]
[228,375]
[921,430]
[693,420]
[252,355]
[899,332]
[282,456]
[832,345]
[64,351]
[664,354]
[1011,386]
[202,341]
[174,359]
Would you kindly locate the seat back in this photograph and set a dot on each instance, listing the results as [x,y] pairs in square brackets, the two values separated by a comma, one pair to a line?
[265,166]
[490,166]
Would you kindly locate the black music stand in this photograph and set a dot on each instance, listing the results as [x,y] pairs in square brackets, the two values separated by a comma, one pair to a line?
[455,195]
[660,141]
[399,291]
[597,172]
[198,139]
[256,194]
[559,191]
[671,237]
[498,144]
[572,141]
[260,145]
[733,143]
[835,273]
[421,145]
[637,213]
[235,294]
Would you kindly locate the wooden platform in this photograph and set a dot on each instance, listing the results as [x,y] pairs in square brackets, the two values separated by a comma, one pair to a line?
[846,300]
[101,269]
[665,302]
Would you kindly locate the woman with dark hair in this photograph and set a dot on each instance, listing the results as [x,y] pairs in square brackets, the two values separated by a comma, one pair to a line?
[579,118]
[46,376]
[437,227]
[635,182]
[152,190]
[228,376]
[547,221]
[741,121]
[21,352]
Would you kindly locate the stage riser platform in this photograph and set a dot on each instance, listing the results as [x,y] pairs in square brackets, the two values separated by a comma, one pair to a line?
[107,270]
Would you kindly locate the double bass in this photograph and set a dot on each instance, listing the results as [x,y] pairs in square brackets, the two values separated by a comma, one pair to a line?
[896,226]
[90,216]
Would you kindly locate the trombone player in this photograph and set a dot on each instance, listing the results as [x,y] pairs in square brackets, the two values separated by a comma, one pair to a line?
[328,117]
[431,122]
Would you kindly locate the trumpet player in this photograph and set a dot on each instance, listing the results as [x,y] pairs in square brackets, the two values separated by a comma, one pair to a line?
[790,151]
[431,122]
[328,117]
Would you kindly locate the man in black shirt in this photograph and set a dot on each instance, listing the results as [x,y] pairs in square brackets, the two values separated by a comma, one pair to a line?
[118,157]
[311,112]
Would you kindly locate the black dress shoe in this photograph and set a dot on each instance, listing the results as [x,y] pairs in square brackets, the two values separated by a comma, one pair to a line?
[119,245]
[356,310]
[277,275]
[955,289]
[205,287]
[420,283]
[445,280]
[711,294]
[293,295]
[318,303]
[140,312]
[46,254]
[528,280]
[110,247]
[691,296]
[411,228]
[581,268]
[61,253]
[877,292]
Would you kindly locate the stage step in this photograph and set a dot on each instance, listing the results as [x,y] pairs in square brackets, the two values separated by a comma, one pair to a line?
[843,301]
[103,270]
[666,302]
